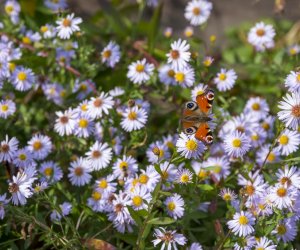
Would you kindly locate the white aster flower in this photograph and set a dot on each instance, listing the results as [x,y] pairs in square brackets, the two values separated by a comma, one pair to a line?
[257,107]
[8,149]
[227,194]
[166,75]
[98,105]
[106,185]
[12,9]
[97,202]
[23,158]
[220,167]
[48,31]
[40,146]
[157,151]
[100,155]
[149,178]
[179,55]
[7,108]
[51,171]
[282,196]
[140,198]
[79,172]
[286,230]
[85,126]
[236,144]
[67,26]
[169,239]
[292,81]
[185,77]
[263,243]
[198,90]
[288,141]
[175,206]
[65,123]
[184,176]
[225,79]
[289,176]
[134,118]
[264,155]
[111,54]
[23,78]
[198,11]
[189,147]
[125,167]
[242,223]
[140,71]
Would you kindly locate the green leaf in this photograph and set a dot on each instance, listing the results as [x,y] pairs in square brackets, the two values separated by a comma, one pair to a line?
[205,187]
[161,221]
[135,216]
[157,168]
[154,26]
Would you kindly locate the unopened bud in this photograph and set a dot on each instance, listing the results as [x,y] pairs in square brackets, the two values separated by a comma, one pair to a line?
[156,151]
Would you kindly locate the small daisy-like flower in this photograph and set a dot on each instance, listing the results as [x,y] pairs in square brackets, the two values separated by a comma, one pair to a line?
[85,126]
[168,171]
[220,167]
[116,91]
[166,75]
[20,188]
[23,78]
[100,155]
[67,26]
[286,230]
[195,246]
[111,54]
[48,31]
[242,223]
[225,79]
[84,88]
[175,206]
[207,61]
[188,31]
[185,77]
[261,36]
[40,187]
[149,178]
[119,210]
[179,54]
[184,176]
[8,149]
[189,147]
[263,243]
[65,208]
[246,243]
[227,194]
[258,107]
[106,186]
[289,176]
[200,171]
[79,172]
[125,167]
[282,196]
[101,104]
[23,158]
[140,198]
[168,32]
[3,203]
[157,151]
[292,82]
[267,156]
[290,110]
[288,142]
[31,37]
[198,90]
[97,202]
[134,118]
[169,239]
[13,8]
[65,123]
[140,71]
[56,5]
[7,108]
[293,49]
[198,11]
[40,146]
[258,137]
[51,171]
[236,144]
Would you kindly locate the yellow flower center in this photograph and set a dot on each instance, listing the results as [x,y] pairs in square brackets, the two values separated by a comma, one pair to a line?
[179,77]
[140,68]
[26,40]
[137,201]
[281,192]
[283,140]
[123,164]
[84,107]
[22,157]
[66,22]
[171,206]
[200,92]
[298,77]
[48,171]
[83,123]
[191,145]
[132,115]
[102,184]
[196,11]
[184,178]
[236,143]
[202,174]
[83,87]
[9,9]
[243,220]
[227,197]
[271,157]
[22,76]
[44,29]
[281,229]
[217,169]
[265,126]
[250,189]
[255,106]
[11,66]
[222,77]
[106,54]
[4,107]
[96,195]
[143,179]
[37,145]
[260,32]
[189,32]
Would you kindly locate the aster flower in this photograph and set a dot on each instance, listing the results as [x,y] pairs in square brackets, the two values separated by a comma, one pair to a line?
[282,196]
[23,78]
[101,104]
[125,167]
[111,54]
[65,208]
[169,239]
[198,90]
[7,108]
[79,172]
[261,36]
[286,230]
[189,147]
[289,176]
[199,170]
[179,55]
[257,107]
[134,118]
[290,110]
[292,81]
[227,194]
[31,37]
[246,243]
[99,155]
[56,5]
[264,243]
[149,178]
[23,158]
[40,146]
[65,123]
[3,203]
[8,149]
[119,210]
[97,202]
[288,141]
[188,31]
[12,9]
[140,198]
[140,71]
[166,75]
[225,79]
[157,151]
[293,50]
[116,91]
[48,31]
[168,171]
[20,188]
[265,155]
[236,144]
[85,125]
[168,32]
[67,26]
[220,167]
[185,77]
[175,206]
[258,137]
[84,88]
[184,176]
[106,185]
[198,11]
[51,171]
[242,223]
[207,61]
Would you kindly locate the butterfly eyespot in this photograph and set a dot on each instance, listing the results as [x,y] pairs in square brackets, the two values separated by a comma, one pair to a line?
[209,139]
[190,130]
[210,95]
[191,105]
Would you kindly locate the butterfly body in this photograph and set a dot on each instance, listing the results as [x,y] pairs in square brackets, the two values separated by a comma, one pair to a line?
[195,117]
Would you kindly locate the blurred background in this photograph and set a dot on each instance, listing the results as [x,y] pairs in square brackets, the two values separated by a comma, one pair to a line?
[225,14]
